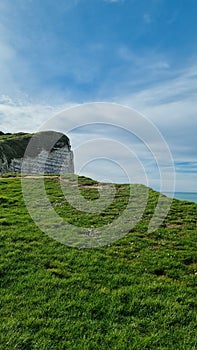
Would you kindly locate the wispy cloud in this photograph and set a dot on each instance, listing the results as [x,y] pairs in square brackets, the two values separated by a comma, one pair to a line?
[152,60]
[22,115]
[171,105]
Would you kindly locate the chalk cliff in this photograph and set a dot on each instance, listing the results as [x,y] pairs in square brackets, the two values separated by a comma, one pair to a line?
[46,152]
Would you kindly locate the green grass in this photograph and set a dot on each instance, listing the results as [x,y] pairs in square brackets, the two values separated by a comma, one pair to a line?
[137,293]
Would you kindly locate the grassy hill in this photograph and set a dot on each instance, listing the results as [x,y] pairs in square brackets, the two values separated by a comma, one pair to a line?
[137,293]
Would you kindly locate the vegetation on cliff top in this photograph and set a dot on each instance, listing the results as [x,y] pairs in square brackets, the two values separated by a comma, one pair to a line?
[137,293]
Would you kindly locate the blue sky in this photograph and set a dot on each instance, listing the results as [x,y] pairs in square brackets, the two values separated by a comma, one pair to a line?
[138,53]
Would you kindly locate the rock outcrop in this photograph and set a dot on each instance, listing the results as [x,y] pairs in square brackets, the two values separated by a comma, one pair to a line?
[47,152]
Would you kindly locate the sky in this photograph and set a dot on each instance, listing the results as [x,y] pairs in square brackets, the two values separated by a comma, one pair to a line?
[140,54]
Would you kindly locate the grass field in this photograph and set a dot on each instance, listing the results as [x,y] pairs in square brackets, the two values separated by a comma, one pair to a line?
[137,293]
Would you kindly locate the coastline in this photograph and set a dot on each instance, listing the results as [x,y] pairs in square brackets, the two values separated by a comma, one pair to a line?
[184,196]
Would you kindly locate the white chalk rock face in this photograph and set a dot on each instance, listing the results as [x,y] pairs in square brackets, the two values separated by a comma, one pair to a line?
[47,152]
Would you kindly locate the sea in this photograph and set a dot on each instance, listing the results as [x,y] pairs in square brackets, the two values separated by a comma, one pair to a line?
[184,196]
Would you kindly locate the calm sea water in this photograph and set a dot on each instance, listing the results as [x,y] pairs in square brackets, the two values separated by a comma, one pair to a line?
[185,196]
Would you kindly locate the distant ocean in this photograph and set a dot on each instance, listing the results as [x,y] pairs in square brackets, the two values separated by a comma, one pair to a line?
[184,196]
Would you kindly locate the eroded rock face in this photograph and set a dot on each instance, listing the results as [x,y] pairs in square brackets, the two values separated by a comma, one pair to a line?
[47,152]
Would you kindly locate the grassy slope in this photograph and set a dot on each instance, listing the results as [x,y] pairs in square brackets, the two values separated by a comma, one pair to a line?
[138,293]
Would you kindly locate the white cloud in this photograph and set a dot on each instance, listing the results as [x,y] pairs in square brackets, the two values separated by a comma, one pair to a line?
[171,101]
[18,115]
[148,61]
[171,106]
